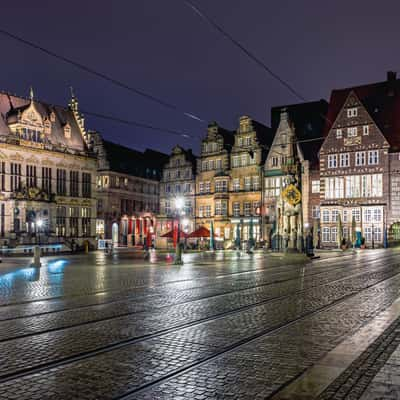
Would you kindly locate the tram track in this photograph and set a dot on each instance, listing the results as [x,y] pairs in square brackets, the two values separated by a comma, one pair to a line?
[105,349]
[289,269]
[354,272]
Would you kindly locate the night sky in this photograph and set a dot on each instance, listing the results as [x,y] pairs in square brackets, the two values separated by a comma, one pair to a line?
[162,47]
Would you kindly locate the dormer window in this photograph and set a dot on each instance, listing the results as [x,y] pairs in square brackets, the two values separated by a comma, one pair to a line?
[47,127]
[352,112]
[67,131]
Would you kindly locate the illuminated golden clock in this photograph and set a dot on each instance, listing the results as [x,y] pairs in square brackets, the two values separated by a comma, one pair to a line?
[291,195]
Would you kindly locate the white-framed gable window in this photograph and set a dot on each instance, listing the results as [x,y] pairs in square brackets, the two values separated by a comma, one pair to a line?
[352,112]
[274,161]
[352,131]
[360,158]
[339,134]
[344,159]
[366,130]
[373,157]
[332,160]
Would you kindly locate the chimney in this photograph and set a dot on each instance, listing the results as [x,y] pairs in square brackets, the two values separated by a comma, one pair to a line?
[391,76]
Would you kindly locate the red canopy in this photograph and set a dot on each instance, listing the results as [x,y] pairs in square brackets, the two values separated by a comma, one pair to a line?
[170,234]
[199,233]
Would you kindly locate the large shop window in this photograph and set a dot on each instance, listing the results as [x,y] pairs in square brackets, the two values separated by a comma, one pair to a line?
[354,186]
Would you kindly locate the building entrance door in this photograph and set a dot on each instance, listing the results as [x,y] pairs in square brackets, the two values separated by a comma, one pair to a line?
[114,233]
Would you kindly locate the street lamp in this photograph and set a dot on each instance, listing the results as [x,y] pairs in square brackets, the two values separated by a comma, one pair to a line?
[179,203]
[39,224]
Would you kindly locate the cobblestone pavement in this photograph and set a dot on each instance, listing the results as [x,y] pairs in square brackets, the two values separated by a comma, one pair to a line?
[221,326]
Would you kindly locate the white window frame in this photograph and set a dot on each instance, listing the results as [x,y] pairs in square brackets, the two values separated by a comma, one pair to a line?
[344,159]
[326,234]
[315,186]
[360,158]
[352,112]
[373,157]
[332,160]
[352,131]
[365,130]
[339,133]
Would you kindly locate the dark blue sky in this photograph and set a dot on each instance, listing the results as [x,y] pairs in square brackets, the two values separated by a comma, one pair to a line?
[165,49]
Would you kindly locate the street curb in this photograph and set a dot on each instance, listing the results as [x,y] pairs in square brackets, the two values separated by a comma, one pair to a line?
[311,383]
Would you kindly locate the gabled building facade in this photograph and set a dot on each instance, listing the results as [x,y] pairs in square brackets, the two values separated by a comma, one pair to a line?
[213,181]
[178,182]
[291,174]
[128,192]
[359,164]
[251,143]
[47,173]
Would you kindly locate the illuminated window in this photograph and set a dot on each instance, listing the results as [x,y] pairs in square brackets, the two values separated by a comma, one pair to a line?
[352,112]
[352,131]
[315,186]
[332,161]
[67,131]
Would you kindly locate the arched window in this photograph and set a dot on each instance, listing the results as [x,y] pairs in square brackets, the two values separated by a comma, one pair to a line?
[67,131]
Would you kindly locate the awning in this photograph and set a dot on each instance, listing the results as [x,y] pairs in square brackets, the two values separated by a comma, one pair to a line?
[170,234]
[201,232]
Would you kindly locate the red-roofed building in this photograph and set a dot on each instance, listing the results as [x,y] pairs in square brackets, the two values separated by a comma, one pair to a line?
[360,164]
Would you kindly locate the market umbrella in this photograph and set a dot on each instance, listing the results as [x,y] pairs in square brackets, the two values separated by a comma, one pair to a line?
[170,234]
[237,239]
[201,232]
[212,244]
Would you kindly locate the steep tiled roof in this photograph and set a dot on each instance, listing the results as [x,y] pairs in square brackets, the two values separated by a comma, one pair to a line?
[308,120]
[133,162]
[10,105]
[382,101]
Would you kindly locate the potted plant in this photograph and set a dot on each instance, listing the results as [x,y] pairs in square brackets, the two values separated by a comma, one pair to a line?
[363,242]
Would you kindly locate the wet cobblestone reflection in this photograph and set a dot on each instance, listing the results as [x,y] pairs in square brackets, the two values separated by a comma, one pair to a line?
[97,327]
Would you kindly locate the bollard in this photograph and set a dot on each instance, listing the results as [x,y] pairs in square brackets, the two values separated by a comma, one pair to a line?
[36,257]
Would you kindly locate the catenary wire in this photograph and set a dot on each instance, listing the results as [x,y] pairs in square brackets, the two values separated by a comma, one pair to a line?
[241,47]
[101,75]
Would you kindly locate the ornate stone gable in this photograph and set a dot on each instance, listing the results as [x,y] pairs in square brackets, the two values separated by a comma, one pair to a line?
[283,146]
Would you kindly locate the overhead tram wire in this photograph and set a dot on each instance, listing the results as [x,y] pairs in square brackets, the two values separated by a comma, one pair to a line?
[139,124]
[249,54]
[101,75]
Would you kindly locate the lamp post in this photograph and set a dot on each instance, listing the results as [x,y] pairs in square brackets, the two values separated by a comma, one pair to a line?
[373,241]
[178,251]
[39,224]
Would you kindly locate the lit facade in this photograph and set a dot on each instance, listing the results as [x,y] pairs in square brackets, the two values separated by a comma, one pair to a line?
[213,181]
[128,193]
[293,162]
[178,182]
[47,174]
[359,165]
[251,143]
